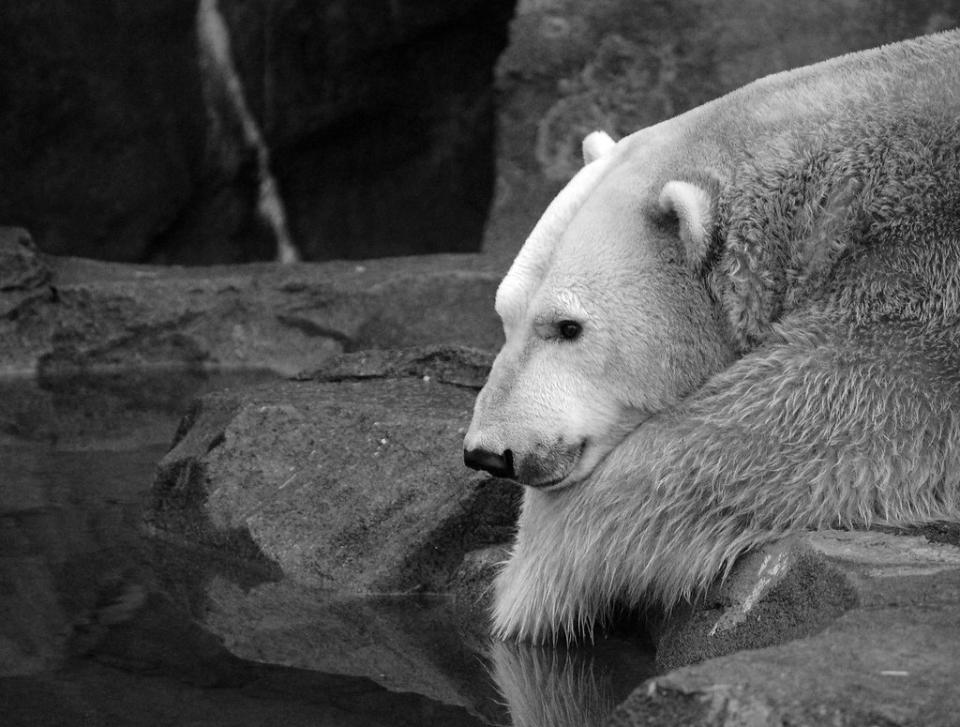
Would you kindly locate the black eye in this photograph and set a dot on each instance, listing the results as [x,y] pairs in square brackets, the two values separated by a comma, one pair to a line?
[569,330]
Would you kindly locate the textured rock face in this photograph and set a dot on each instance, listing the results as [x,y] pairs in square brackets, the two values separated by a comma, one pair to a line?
[353,482]
[63,315]
[22,272]
[618,65]
[379,115]
[875,622]
[138,132]
[104,133]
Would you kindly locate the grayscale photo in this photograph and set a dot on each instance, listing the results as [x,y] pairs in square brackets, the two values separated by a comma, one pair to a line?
[479,363]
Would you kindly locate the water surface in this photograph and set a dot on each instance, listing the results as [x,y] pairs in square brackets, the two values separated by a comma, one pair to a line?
[101,624]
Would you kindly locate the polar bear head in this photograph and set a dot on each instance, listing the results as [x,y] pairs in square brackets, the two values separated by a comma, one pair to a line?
[607,321]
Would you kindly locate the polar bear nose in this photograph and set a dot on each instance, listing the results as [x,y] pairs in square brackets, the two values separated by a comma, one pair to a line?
[498,465]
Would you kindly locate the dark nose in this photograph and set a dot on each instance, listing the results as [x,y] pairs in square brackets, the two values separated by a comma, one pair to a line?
[498,465]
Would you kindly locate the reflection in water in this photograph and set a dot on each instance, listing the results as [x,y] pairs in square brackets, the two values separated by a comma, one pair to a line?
[99,625]
[97,619]
[568,687]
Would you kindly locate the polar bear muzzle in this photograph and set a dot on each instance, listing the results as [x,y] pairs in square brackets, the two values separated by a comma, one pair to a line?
[545,468]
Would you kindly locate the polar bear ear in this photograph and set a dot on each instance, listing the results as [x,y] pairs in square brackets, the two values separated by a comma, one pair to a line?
[595,145]
[693,207]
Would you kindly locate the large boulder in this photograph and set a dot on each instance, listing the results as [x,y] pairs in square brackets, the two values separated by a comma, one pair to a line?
[23,273]
[351,480]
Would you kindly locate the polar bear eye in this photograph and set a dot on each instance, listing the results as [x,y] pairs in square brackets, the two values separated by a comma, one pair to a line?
[569,330]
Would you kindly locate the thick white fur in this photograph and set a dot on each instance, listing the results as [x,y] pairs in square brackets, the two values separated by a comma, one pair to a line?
[530,264]
[560,406]
[826,391]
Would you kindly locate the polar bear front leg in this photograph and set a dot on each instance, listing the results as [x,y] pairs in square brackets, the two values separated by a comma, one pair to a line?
[531,593]
[520,599]
[548,586]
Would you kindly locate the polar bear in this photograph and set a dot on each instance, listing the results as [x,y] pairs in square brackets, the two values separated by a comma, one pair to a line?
[732,325]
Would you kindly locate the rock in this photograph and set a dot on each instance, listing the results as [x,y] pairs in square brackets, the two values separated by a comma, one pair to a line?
[355,484]
[799,586]
[91,316]
[782,592]
[458,366]
[105,133]
[379,118]
[142,133]
[20,265]
[888,659]
[81,589]
[22,272]
[618,65]
[108,412]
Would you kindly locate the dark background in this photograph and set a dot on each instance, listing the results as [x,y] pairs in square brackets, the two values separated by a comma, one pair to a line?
[387,127]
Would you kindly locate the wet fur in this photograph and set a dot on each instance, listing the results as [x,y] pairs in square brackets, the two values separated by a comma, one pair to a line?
[836,265]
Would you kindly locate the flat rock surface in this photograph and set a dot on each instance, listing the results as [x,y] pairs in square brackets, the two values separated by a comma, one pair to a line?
[355,484]
[68,315]
[878,621]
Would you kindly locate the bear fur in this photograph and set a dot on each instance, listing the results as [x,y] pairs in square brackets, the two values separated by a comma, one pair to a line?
[765,294]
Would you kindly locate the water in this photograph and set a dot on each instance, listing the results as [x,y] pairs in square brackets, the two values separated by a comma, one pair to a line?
[102,625]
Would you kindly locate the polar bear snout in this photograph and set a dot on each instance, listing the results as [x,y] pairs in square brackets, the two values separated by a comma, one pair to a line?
[498,465]
[544,467]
